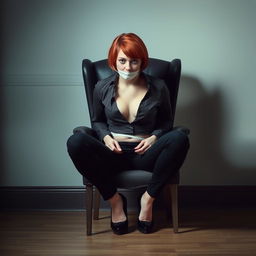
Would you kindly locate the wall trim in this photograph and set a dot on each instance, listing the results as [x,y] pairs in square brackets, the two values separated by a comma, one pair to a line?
[42,80]
[73,198]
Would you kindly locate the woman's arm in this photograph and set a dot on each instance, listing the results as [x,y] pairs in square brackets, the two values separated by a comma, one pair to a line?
[164,116]
[99,121]
[163,122]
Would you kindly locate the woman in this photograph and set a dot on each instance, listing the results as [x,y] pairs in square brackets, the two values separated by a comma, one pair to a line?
[132,117]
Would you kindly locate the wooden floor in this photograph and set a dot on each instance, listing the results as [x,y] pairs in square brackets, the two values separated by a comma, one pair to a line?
[229,232]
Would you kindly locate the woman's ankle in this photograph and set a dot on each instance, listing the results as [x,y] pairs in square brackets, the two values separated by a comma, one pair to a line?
[114,200]
[147,199]
[117,212]
[146,211]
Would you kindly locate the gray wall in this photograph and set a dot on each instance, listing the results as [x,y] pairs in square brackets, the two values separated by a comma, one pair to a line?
[42,97]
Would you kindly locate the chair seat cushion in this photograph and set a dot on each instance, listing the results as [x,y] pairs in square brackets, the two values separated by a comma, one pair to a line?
[135,179]
[132,179]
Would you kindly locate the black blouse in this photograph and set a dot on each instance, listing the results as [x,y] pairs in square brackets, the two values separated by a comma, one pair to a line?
[154,116]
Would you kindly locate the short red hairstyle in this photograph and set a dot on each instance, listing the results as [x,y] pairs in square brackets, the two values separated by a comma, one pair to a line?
[132,46]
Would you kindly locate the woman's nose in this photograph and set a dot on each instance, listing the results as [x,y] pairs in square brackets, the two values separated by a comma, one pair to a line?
[128,65]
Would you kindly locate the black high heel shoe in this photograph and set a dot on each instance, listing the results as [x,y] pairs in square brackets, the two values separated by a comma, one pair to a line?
[144,227]
[121,227]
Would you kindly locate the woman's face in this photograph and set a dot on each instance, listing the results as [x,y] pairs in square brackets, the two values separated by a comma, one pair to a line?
[127,64]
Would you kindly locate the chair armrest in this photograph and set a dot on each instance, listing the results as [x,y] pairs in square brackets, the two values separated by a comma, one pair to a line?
[182,129]
[86,130]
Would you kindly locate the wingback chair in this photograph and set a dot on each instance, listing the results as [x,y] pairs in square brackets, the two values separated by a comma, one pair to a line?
[95,71]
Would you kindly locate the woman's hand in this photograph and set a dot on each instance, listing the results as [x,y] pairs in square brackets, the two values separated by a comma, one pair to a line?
[112,144]
[145,144]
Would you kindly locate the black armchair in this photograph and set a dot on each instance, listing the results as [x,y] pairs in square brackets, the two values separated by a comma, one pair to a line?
[94,71]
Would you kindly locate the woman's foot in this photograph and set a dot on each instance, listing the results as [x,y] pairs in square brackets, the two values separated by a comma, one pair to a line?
[145,223]
[119,221]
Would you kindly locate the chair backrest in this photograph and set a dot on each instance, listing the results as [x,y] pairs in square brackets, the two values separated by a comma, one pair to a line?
[168,71]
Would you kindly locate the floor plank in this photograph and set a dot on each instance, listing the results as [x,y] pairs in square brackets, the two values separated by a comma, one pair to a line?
[227,232]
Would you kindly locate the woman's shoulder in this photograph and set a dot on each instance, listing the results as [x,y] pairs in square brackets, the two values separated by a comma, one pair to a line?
[105,83]
[156,82]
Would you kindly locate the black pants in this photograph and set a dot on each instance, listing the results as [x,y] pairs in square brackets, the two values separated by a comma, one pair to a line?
[98,163]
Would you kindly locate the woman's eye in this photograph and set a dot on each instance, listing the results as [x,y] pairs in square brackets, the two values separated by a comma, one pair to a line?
[122,61]
[134,61]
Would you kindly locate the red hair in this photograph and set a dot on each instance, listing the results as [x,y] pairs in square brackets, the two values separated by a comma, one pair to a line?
[132,46]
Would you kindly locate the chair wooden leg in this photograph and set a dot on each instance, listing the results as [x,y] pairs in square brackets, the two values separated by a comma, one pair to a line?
[88,205]
[96,204]
[174,197]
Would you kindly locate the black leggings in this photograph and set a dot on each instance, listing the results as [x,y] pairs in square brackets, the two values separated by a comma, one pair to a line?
[98,163]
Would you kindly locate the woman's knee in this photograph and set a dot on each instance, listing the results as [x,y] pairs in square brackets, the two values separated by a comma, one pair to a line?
[177,137]
[76,141]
